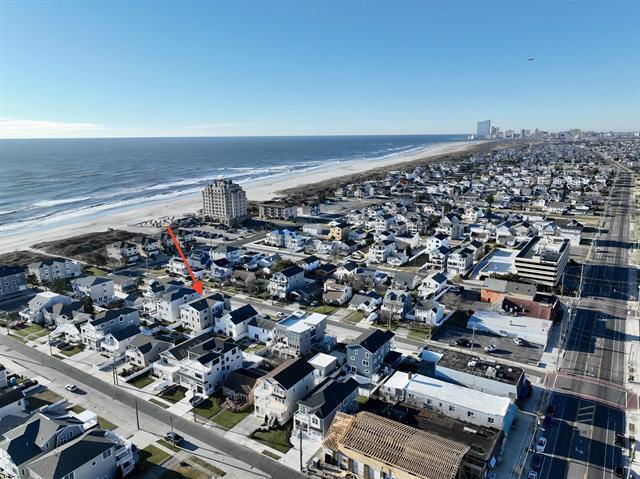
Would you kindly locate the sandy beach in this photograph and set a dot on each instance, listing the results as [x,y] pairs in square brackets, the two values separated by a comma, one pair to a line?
[258,190]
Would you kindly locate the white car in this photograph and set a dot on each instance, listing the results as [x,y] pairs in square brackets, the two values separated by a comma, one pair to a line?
[489,349]
[532,475]
[71,387]
[518,341]
[541,444]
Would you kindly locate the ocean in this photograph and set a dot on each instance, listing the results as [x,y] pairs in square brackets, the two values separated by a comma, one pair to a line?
[49,181]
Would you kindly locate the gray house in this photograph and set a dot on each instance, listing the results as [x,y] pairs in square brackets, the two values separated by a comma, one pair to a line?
[12,282]
[365,355]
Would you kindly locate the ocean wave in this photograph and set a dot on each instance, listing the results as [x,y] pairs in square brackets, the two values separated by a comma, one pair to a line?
[50,203]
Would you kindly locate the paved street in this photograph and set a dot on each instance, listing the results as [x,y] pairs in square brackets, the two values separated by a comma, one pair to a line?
[589,389]
[118,404]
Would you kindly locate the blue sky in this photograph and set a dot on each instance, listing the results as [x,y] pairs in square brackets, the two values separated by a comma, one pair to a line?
[160,68]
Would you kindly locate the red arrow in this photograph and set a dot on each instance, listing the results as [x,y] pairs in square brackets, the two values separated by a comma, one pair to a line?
[197,285]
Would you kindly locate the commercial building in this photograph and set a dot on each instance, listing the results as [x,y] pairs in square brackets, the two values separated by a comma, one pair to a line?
[54,268]
[276,210]
[543,260]
[484,129]
[458,402]
[225,202]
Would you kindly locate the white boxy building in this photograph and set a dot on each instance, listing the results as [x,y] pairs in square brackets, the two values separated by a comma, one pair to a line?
[455,401]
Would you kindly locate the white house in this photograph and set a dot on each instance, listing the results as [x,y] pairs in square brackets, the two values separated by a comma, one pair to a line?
[199,314]
[282,283]
[277,393]
[168,305]
[36,306]
[236,323]
[430,313]
[100,290]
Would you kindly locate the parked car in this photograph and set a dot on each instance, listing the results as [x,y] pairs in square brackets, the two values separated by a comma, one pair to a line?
[519,341]
[551,410]
[532,475]
[71,388]
[173,437]
[464,342]
[489,349]
[195,400]
[29,383]
[536,461]
[541,445]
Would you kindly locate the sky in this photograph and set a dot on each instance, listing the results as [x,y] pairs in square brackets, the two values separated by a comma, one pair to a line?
[217,68]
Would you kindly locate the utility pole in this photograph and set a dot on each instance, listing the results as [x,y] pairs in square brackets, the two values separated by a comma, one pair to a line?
[300,432]
[49,341]
[135,400]
[473,336]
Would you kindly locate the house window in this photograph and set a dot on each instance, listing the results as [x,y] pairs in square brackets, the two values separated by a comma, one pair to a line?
[68,476]
[451,408]
[490,420]
[365,363]
[106,454]
[469,414]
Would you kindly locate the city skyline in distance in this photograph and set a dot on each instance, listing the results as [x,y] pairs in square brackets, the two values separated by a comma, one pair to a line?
[284,69]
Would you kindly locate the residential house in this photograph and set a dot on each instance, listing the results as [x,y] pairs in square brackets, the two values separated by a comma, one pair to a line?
[235,323]
[99,289]
[277,393]
[105,322]
[432,285]
[380,251]
[317,410]
[123,251]
[168,306]
[396,304]
[200,314]
[310,263]
[436,241]
[282,283]
[116,342]
[336,294]
[429,312]
[239,386]
[366,354]
[460,261]
[367,303]
[261,329]
[36,306]
[405,280]
[296,334]
[143,350]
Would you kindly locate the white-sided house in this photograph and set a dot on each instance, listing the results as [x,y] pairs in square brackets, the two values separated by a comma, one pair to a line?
[100,290]
[428,312]
[277,393]
[455,401]
[432,285]
[108,321]
[36,306]
[367,303]
[460,261]
[123,251]
[317,410]
[335,293]
[169,304]
[208,364]
[236,323]
[177,266]
[261,329]
[200,314]
[437,240]
[380,251]
[282,283]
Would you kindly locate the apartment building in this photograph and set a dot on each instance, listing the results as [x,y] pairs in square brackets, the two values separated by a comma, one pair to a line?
[543,259]
[276,210]
[224,201]
[12,282]
[51,269]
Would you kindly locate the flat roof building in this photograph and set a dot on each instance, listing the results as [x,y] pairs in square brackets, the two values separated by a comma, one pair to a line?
[225,202]
[543,260]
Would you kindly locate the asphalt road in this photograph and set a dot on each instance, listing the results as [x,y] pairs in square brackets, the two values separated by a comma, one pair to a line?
[153,418]
[588,390]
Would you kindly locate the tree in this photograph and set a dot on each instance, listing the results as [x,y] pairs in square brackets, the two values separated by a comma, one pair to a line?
[59,286]
[87,305]
[281,264]
[33,280]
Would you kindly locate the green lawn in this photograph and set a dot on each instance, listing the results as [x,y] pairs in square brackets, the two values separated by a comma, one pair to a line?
[355,317]
[228,419]
[32,329]
[142,380]
[105,424]
[78,409]
[158,403]
[95,271]
[277,439]
[72,352]
[207,408]
[43,398]
[324,309]
[205,465]
[271,455]
[169,445]
[419,333]
[176,395]
[153,455]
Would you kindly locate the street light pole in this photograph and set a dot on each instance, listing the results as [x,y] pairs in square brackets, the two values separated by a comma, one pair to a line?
[135,400]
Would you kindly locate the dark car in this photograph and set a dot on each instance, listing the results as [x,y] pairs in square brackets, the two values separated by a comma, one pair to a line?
[29,383]
[195,400]
[464,342]
[536,461]
[551,410]
[173,437]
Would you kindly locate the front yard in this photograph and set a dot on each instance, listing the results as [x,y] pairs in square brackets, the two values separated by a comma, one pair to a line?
[355,317]
[175,394]
[142,381]
[324,309]
[277,439]
[229,419]
[71,352]
[207,408]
